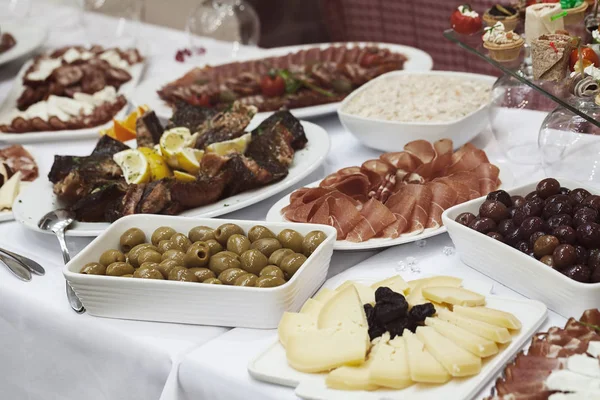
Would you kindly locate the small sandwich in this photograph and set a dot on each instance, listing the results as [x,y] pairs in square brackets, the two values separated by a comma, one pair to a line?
[550,56]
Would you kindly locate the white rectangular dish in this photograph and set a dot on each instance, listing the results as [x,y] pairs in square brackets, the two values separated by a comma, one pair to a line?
[194,303]
[517,270]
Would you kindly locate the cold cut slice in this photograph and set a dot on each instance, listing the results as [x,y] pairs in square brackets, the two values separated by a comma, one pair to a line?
[376,217]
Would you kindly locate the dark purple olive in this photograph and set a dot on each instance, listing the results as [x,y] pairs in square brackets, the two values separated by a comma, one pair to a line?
[564,190]
[505,225]
[565,234]
[511,212]
[483,225]
[523,246]
[548,260]
[595,276]
[564,255]
[531,208]
[558,207]
[517,201]
[535,236]
[465,218]
[578,272]
[548,187]
[589,235]
[557,198]
[584,215]
[501,196]
[519,215]
[594,259]
[592,201]
[532,195]
[545,245]
[512,236]
[496,235]
[582,254]
[578,195]
[557,220]
[493,209]
[531,225]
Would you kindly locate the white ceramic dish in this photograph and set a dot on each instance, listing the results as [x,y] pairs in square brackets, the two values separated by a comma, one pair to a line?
[271,365]
[29,38]
[188,302]
[517,270]
[392,136]
[10,102]
[418,60]
[40,198]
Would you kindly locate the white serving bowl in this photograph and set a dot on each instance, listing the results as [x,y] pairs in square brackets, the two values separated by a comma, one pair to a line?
[388,136]
[194,303]
[517,270]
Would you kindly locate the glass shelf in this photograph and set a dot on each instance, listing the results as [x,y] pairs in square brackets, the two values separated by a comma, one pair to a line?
[556,91]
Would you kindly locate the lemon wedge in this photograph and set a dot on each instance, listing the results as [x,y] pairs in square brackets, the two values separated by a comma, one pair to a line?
[134,165]
[184,176]
[171,143]
[189,159]
[158,166]
[238,145]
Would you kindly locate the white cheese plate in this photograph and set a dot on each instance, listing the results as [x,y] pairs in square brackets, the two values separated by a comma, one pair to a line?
[29,37]
[40,198]
[10,102]
[271,365]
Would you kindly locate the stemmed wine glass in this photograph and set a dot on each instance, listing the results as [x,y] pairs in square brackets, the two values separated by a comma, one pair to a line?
[122,31]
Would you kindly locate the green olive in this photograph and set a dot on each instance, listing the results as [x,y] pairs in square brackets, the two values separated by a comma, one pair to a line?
[127,276]
[222,261]
[230,275]
[214,246]
[245,280]
[279,255]
[93,268]
[150,273]
[259,232]
[166,266]
[197,255]
[149,265]
[131,238]
[181,242]
[253,261]
[292,263]
[201,234]
[182,274]
[162,233]
[223,232]
[266,246]
[203,273]
[238,243]
[311,241]
[148,255]
[271,270]
[111,256]
[213,281]
[269,281]
[119,268]
[132,256]
[174,254]
[166,245]
[290,239]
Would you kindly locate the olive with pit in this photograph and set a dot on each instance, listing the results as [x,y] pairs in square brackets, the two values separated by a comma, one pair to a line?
[279,255]
[578,272]
[149,273]
[149,255]
[501,196]
[245,280]
[311,241]
[483,225]
[119,268]
[166,266]
[578,195]
[162,233]
[548,260]
[548,187]
[93,268]
[174,254]
[588,235]
[203,273]
[253,261]
[266,245]
[201,234]
[213,281]
[290,239]
[132,256]
[222,261]
[166,245]
[564,255]
[111,256]
[545,245]
[214,246]
[182,274]
[197,255]
[149,265]
[517,201]
[131,238]
[272,270]
[292,263]
[465,218]
[259,232]
[229,276]
[238,243]
[493,209]
[223,232]
[181,242]
[269,281]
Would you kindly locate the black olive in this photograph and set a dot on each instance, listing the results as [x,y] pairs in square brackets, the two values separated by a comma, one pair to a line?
[589,235]
[465,218]
[564,190]
[559,197]
[582,254]
[584,215]
[565,234]
[592,201]
[523,246]
[483,225]
[532,195]
[535,236]
[578,195]
[558,220]
[531,225]
[564,255]
[501,196]
[558,207]
[595,277]
[594,259]
[578,272]
[548,187]
[512,236]
[511,212]
[505,225]
[518,201]
[496,235]
[493,209]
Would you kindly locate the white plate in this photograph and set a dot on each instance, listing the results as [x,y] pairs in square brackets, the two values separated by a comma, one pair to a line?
[271,365]
[418,60]
[29,38]
[7,215]
[10,102]
[40,199]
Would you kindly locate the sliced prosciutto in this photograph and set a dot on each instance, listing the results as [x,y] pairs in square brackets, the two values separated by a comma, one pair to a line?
[402,207]
[462,191]
[488,178]
[443,197]
[419,216]
[421,149]
[344,215]
[376,171]
[470,180]
[354,185]
[376,217]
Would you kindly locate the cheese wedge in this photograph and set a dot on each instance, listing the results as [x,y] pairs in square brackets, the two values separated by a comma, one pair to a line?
[312,307]
[344,309]
[325,349]
[294,323]
[477,345]
[440,280]
[351,378]
[366,293]
[492,332]
[9,191]
[396,283]
[423,366]
[457,361]
[389,365]
[453,295]
[490,315]
[324,295]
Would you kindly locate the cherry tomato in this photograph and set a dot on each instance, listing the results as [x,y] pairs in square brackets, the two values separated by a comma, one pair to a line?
[202,100]
[586,54]
[370,59]
[464,24]
[272,86]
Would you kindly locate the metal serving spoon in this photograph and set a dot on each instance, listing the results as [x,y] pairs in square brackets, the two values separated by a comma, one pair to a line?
[57,221]
[28,262]
[16,267]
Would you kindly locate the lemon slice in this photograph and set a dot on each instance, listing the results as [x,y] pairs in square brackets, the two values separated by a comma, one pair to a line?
[171,143]
[189,159]
[184,176]
[134,165]
[238,145]
[158,166]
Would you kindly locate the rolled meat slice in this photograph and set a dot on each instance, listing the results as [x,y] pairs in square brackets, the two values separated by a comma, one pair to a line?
[376,217]
[470,180]
[376,171]
[355,186]
[401,160]
[443,157]
[419,216]
[344,215]
[443,197]
[488,178]
[402,207]
[422,149]
[462,191]
[468,161]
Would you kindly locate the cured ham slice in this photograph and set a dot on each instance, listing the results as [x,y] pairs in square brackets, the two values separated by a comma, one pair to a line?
[470,180]
[423,196]
[376,217]
[443,197]
[488,177]
[462,191]
[376,171]
[402,160]
[443,157]
[354,185]
[344,215]
[402,207]
[422,149]
[468,161]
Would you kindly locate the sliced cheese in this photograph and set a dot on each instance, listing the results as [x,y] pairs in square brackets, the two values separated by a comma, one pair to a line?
[325,349]
[423,366]
[312,307]
[9,191]
[344,309]
[324,295]
[457,361]
[294,323]
[389,365]
[477,345]
[366,293]
[568,381]
[396,283]
[440,280]
[492,332]
[351,378]
[453,295]
[490,315]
